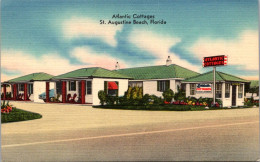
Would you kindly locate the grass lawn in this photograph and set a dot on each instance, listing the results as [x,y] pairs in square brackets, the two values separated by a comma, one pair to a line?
[19,115]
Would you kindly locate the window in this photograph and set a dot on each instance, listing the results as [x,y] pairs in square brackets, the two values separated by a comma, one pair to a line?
[89,87]
[72,85]
[59,87]
[240,91]
[218,90]
[30,88]
[192,89]
[21,87]
[135,84]
[111,88]
[163,85]
[227,90]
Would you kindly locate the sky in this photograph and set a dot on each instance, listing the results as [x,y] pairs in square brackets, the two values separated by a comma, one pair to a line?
[58,36]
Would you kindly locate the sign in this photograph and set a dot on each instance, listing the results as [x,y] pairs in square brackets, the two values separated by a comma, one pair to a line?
[220,60]
[237,84]
[203,87]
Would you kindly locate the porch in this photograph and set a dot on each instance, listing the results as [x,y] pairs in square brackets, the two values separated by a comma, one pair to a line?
[17,91]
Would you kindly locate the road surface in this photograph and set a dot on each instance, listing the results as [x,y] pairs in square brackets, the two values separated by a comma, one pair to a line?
[104,135]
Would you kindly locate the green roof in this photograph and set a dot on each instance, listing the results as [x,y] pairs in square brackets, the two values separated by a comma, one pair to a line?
[254,83]
[158,72]
[220,76]
[32,77]
[91,72]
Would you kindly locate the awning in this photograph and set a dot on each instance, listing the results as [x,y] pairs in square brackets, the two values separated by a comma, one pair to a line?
[112,85]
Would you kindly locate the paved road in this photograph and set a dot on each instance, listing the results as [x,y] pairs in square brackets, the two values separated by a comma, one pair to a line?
[216,135]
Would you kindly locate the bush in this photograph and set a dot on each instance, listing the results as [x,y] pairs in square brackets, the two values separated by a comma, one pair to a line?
[102,97]
[146,99]
[111,100]
[168,95]
[180,95]
[156,100]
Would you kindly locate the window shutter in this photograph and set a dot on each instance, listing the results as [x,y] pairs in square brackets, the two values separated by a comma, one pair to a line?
[117,83]
[158,85]
[167,85]
[105,87]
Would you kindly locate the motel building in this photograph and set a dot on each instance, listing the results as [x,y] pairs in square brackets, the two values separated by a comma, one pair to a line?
[26,88]
[229,88]
[156,79]
[82,86]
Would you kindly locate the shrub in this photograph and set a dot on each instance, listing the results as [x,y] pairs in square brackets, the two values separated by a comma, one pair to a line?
[146,99]
[102,97]
[111,100]
[168,95]
[180,95]
[156,100]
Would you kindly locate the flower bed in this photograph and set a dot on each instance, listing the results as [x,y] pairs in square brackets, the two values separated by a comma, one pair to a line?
[12,114]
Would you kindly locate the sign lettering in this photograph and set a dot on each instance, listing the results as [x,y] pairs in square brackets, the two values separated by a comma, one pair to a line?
[215,61]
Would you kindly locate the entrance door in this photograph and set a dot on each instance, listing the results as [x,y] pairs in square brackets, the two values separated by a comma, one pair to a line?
[79,90]
[234,95]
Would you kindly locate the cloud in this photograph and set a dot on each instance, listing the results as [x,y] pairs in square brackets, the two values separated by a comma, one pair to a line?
[159,46]
[94,59]
[24,63]
[242,51]
[86,27]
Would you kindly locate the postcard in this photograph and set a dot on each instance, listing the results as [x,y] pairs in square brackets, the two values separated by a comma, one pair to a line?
[144,80]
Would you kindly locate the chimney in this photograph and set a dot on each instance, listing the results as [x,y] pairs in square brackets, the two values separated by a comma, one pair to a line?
[117,67]
[168,61]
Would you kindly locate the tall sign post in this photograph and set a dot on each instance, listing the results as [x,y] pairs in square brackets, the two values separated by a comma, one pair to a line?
[214,61]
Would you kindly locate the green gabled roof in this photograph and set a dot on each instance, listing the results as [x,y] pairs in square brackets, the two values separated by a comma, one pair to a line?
[91,72]
[254,83]
[158,72]
[220,76]
[32,77]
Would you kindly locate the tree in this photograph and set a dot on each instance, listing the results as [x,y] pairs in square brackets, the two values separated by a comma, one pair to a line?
[102,97]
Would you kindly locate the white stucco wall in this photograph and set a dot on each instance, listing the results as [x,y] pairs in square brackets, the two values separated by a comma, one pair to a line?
[38,88]
[227,102]
[98,84]
[150,87]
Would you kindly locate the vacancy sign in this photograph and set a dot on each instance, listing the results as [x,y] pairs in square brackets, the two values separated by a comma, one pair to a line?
[203,87]
[220,60]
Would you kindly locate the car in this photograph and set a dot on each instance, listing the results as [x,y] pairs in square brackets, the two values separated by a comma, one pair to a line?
[43,95]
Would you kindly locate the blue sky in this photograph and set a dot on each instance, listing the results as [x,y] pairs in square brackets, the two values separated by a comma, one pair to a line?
[56,36]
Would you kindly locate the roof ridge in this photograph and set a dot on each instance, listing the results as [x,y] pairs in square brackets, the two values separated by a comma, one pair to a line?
[232,76]
[174,70]
[185,68]
[95,71]
[220,75]
[199,75]
[142,67]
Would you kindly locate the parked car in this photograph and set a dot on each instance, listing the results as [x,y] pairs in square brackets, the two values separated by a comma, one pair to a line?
[43,95]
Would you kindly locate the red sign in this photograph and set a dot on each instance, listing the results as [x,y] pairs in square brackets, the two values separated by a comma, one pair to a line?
[214,61]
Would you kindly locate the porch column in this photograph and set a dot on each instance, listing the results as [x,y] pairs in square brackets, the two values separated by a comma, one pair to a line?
[63,91]
[83,91]
[47,91]
[4,91]
[25,92]
[14,91]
